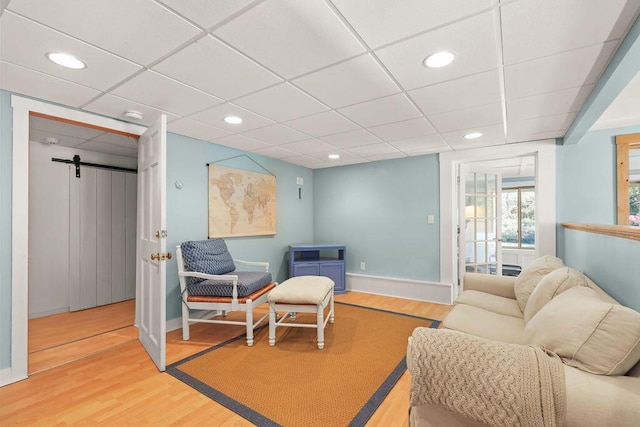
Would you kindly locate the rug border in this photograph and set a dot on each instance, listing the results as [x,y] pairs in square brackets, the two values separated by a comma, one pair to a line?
[361,417]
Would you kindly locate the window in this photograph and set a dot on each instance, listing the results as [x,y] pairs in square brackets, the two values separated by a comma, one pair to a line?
[634,203]
[519,218]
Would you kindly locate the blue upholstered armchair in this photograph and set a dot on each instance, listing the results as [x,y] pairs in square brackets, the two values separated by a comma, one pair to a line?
[209,281]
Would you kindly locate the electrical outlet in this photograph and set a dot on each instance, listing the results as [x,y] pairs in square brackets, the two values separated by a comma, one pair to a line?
[299,180]
[363,266]
[430,219]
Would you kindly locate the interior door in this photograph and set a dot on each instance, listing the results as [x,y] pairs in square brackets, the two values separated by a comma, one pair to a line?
[151,242]
[479,224]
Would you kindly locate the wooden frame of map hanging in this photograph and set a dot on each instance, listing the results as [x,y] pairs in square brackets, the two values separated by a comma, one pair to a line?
[241,203]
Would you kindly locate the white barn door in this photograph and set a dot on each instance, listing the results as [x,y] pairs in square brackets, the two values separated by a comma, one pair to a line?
[151,243]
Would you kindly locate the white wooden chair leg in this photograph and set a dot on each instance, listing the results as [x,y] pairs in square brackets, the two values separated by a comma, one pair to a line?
[331,308]
[185,322]
[272,325]
[320,326]
[249,320]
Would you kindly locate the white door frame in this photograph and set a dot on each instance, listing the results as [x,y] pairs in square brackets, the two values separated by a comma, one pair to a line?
[20,218]
[545,152]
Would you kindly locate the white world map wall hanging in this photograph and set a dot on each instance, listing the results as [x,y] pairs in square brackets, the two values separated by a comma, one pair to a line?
[241,203]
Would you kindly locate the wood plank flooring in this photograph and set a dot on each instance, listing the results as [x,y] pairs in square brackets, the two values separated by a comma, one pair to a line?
[121,386]
[65,337]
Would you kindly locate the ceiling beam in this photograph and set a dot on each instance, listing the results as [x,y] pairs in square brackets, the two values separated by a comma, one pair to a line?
[624,65]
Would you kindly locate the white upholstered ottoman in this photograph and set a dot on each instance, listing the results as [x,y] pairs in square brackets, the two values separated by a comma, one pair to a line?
[302,294]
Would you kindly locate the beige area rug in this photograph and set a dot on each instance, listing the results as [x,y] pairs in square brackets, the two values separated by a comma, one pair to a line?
[294,383]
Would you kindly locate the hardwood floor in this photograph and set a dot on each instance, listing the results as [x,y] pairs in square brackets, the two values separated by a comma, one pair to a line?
[61,338]
[121,386]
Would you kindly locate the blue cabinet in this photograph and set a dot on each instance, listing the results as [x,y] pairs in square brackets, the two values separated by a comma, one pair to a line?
[319,260]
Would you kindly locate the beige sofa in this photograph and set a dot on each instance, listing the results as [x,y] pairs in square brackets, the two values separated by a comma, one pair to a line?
[548,306]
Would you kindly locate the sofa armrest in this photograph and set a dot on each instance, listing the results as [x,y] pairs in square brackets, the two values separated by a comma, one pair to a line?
[497,285]
[484,380]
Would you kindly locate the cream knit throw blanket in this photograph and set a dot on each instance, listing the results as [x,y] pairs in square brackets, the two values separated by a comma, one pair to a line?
[495,383]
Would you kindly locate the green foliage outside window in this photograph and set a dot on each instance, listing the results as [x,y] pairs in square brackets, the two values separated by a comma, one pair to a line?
[518,218]
[634,203]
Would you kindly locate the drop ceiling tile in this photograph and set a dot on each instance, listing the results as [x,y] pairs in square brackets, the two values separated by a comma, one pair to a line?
[115,106]
[240,142]
[276,134]
[61,129]
[276,152]
[103,147]
[387,156]
[41,136]
[42,86]
[323,124]
[526,129]
[473,41]
[578,67]
[350,82]
[382,21]
[381,111]
[423,144]
[281,103]
[623,111]
[469,145]
[308,146]
[525,137]
[373,150]
[532,29]
[213,67]
[207,13]
[472,91]
[403,130]
[345,157]
[108,25]
[151,88]
[546,104]
[491,135]
[352,139]
[291,37]
[483,115]
[117,139]
[215,117]
[194,129]
[29,50]
[307,162]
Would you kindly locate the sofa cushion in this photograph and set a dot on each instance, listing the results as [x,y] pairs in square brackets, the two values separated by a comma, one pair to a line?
[484,323]
[209,256]
[495,303]
[531,276]
[587,333]
[551,285]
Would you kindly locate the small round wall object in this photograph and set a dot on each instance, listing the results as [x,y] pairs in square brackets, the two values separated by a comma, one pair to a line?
[179,185]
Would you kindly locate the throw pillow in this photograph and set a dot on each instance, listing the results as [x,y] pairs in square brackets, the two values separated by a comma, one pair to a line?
[587,333]
[531,276]
[552,285]
[207,256]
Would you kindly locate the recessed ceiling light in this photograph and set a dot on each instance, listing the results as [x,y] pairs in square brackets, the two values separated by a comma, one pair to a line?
[439,59]
[233,120]
[334,156]
[473,135]
[66,60]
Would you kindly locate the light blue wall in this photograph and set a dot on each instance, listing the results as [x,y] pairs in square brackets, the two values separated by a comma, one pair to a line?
[379,211]
[586,193]
[6,125]
[187,208]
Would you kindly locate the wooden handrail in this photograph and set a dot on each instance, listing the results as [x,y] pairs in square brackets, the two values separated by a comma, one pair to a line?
[623,231]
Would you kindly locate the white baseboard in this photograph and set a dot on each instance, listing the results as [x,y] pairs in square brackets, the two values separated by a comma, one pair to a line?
[7,376]
[419,290]
[176,322]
